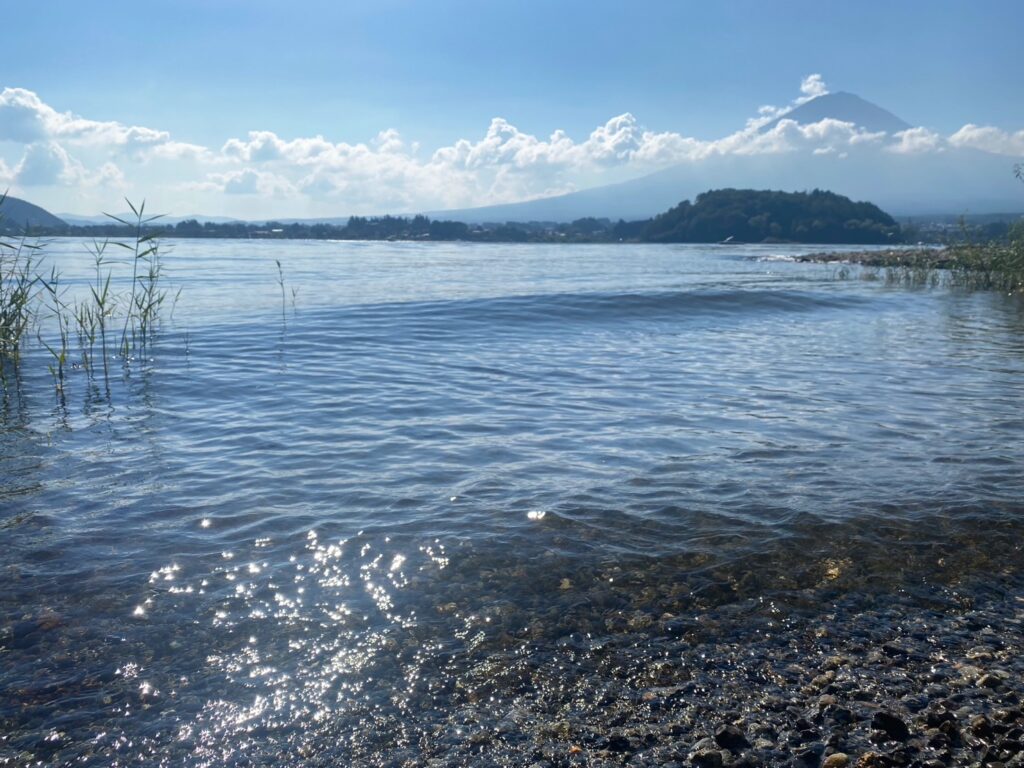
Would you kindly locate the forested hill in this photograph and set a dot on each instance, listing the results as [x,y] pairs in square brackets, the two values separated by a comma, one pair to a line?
[744,215]
[755,216]
[16,216]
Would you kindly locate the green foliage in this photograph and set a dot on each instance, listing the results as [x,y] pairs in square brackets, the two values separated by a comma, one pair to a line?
[18,290]
[743,215]
[754,216]
[145,296]
[19,287]
[32,299]
[995,263]
[988,266]
[992,265]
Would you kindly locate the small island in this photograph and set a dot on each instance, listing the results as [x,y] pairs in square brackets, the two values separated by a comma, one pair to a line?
[767,216]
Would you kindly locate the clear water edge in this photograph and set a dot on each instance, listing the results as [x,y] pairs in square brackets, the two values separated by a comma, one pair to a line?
[311,526]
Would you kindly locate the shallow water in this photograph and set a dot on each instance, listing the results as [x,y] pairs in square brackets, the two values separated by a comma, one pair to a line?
[310,535]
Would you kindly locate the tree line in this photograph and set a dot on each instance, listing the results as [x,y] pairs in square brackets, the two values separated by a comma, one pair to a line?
[735,215]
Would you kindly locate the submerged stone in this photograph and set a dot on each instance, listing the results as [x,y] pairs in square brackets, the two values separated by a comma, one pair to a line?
[732,738]
[891,725]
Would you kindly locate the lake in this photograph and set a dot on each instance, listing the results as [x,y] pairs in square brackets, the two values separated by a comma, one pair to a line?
[437,500]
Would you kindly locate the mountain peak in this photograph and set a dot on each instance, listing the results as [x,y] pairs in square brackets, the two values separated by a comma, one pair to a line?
[847,107]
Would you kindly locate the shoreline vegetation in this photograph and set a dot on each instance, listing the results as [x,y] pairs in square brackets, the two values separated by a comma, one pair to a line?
[84,333]
[723,216]
[732,215]
[976,266]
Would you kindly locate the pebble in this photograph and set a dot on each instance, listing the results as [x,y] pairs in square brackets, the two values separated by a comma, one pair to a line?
[598,679]
[836,760]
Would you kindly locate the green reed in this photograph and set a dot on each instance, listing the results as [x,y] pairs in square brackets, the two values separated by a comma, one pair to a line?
[970,267]
[33,299]
[145,296]
[280,283]
[53,300]
[18,289]
[989,266]
[19,286]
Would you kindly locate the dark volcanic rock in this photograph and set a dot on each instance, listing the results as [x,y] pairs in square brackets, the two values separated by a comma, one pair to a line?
[732,738]
[892,725]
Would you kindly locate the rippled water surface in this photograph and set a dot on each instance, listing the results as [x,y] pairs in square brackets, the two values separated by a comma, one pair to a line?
[315,533]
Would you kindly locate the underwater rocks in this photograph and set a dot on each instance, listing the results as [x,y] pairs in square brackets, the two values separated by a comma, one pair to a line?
[865,682]
[799,678]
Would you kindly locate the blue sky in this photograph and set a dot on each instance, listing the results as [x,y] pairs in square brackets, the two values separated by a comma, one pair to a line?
[204,73]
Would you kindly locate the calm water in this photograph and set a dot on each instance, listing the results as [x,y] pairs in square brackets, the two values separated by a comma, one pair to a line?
[310,537]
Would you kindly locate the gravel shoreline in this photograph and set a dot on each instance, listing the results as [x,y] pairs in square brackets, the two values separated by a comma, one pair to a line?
[924,675]
[869,681]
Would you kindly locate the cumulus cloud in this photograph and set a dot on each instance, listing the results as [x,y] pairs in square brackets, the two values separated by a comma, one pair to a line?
[790,136]
[505,163]
[989,139]
[179,150]
[811,87]
[47,163]
[108,175]
[246,181]
[64,149]
[390,173]
[21,116]
[261,145]
[26,119]
[915,141]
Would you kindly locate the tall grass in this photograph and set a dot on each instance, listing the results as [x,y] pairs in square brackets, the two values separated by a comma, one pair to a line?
[280,283]
[989,266]
[81,333]
[973,266]
[19,288]
[145,296]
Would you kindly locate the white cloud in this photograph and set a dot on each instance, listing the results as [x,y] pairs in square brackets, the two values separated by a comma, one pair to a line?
[668,148]
[109,175]
[46,163]
[21,116]
[507,164]
[989,139]
[915,141]
[26,119]
[785,136]
[812,87]
[388,173]
[503,165]
[242,182]
[179,150]
[247,181]
[262,145]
